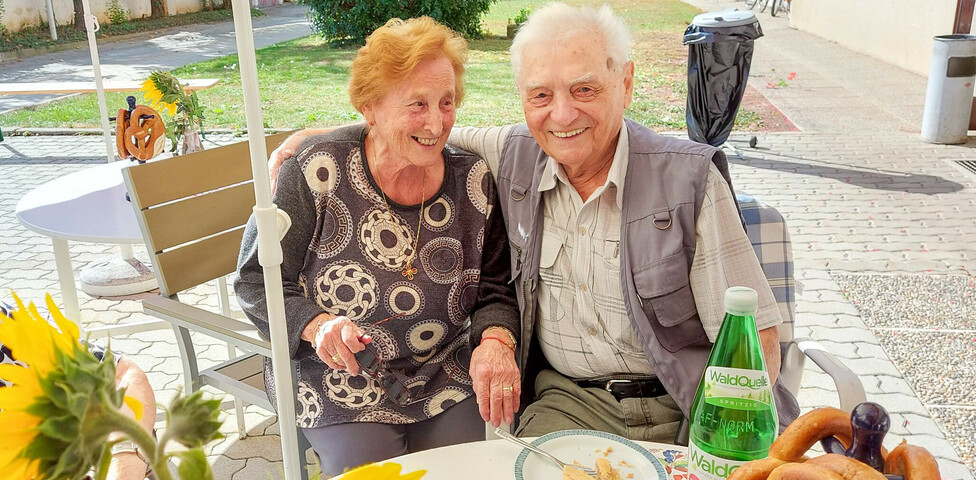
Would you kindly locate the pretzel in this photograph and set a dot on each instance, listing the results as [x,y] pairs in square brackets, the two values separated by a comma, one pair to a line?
[120,124]
[802,471]
[915,463]
[809,429]
[142,137]
[786,460]
[846,467]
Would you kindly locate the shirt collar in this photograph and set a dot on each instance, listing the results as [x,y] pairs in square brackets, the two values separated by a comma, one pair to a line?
[616,176]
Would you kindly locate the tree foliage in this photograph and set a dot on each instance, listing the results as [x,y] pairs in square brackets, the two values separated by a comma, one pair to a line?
[351,21]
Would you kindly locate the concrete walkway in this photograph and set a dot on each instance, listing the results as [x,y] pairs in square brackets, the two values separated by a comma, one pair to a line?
[881,225]
[135,57]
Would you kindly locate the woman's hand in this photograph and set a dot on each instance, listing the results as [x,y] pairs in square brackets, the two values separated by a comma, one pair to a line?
[336,341]
[497,382]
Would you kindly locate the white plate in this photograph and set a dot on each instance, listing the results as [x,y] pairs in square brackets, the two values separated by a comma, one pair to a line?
[585,446]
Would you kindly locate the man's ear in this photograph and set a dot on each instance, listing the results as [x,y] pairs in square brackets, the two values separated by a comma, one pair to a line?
[628,71]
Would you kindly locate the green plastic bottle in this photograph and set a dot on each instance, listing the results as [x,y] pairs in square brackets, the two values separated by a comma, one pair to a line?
[733,418]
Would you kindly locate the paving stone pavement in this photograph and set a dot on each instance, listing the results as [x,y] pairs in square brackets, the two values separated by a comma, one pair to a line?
[872,211]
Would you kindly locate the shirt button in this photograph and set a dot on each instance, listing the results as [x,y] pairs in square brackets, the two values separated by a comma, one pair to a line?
[582,287]
[592,331]
[582,230]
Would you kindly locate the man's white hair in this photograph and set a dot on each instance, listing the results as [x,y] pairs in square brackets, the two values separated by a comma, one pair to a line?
[558,21]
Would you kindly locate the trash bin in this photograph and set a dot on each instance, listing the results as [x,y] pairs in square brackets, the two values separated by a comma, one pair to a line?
[719,55]
[949,97]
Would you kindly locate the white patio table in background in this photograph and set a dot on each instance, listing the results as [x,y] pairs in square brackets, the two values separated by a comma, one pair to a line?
[85,206]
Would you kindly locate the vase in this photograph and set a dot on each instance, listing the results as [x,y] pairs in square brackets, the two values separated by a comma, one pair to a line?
[191,141]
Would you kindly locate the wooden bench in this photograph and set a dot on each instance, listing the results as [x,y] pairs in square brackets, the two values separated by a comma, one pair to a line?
[66,88]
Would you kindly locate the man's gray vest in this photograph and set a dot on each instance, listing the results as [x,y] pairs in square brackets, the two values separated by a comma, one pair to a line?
[662,198]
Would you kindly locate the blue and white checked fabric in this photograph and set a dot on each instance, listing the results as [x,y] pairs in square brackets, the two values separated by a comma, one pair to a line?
[770,239]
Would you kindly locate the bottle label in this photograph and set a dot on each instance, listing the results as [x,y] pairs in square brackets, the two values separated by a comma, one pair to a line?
[705,466]
[737,388]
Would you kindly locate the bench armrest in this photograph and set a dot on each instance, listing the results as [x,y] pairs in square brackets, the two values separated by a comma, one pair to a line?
[243,335]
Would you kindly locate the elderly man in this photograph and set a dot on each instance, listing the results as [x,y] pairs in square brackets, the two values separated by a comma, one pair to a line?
[623,241]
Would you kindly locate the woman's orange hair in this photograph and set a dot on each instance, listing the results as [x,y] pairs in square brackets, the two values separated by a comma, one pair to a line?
[395,49]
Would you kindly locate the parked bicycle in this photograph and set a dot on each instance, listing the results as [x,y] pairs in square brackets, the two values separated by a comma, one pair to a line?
[777,6]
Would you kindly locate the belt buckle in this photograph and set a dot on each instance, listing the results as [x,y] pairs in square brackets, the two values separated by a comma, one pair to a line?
[610,383]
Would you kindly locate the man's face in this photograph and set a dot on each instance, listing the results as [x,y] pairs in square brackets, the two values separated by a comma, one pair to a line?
[574,104]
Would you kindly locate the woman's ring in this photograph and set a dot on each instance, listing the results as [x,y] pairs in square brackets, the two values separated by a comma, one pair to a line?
[508,389]
[336,358]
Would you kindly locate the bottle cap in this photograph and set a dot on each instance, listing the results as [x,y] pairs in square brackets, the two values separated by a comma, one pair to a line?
[741,301]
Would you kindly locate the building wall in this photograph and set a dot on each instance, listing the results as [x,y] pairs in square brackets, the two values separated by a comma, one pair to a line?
[896,31]
[18,14]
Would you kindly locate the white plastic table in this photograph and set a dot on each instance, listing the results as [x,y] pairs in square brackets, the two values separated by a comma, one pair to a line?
[495,460]
[85,206]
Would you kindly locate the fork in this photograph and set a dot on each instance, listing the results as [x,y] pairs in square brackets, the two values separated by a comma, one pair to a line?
[512,438]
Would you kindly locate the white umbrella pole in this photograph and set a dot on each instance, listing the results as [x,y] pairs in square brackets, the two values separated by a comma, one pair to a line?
[91,25]
[51,21]
[269,246]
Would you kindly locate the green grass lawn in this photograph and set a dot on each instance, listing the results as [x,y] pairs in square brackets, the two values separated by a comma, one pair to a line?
[303,82]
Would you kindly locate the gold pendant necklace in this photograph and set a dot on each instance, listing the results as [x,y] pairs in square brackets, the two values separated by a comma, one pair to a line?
[409,270]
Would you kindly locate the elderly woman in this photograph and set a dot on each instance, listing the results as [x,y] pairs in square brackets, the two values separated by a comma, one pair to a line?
[396,246]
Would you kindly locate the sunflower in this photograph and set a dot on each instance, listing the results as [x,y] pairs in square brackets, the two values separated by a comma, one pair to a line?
[384,471]
[58,412]
[153,93]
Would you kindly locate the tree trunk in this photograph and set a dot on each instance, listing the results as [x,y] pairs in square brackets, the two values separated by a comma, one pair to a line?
[79,15]
[158,8]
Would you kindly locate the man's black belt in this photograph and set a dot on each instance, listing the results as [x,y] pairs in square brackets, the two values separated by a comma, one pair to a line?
[621,389]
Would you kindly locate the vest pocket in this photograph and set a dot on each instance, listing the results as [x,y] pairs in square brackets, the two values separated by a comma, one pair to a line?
[665,294]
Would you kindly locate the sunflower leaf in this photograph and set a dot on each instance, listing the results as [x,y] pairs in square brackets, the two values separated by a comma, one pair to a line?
[193,464]
[64,428]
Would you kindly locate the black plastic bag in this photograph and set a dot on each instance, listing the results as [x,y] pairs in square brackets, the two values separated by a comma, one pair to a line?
[718,68]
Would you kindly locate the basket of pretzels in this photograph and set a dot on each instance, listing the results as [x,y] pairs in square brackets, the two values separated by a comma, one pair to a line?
[853,446]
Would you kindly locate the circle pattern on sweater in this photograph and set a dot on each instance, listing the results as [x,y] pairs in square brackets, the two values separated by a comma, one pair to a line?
[463,295]
[442,259]
[443,400]
[439,215]
[336,230]
[309,405]
[424,336]
[352,392]
[478,184]
[404,298]
[359,180]
[322,173]
[385,239]
[346,289]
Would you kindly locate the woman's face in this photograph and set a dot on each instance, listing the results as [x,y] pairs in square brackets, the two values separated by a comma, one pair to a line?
[414,119]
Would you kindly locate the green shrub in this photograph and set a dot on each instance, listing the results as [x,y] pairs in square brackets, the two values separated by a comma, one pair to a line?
[522,17]
[350,21]
[117,14]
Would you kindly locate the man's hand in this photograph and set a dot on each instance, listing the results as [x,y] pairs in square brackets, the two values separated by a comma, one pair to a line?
[769,338]
[497,382]
[285,151]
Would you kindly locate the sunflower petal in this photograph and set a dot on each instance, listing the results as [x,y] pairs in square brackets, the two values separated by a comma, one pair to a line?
[134,405]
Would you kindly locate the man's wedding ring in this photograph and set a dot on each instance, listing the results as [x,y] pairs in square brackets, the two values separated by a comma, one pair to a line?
[336,358]
[508,389]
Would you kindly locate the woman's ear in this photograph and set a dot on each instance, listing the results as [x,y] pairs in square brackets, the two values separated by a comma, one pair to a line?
[369,116]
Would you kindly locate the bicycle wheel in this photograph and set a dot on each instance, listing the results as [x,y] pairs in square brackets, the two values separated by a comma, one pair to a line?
[762,5]
[775,8]
[751,4]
